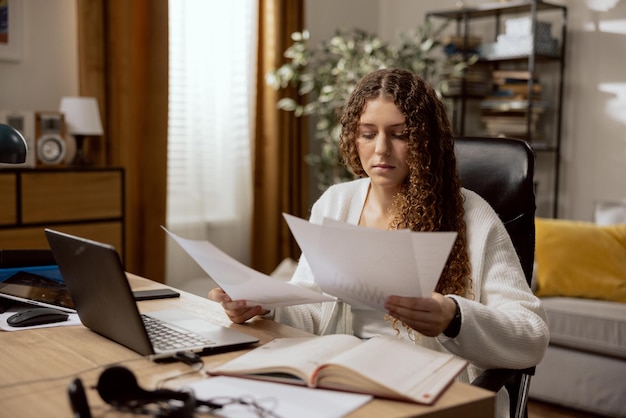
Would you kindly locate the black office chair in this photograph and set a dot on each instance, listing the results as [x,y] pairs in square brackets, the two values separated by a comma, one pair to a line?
[501,171]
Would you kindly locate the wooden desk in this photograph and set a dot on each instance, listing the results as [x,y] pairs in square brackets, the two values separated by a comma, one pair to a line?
[37,365]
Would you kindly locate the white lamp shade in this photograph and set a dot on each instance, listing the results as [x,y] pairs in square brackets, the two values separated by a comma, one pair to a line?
[82,115]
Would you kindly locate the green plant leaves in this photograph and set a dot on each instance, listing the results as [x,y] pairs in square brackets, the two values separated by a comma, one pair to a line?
[326,74]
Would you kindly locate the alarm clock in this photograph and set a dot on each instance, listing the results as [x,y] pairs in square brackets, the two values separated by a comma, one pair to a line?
[50,142]
[50,149]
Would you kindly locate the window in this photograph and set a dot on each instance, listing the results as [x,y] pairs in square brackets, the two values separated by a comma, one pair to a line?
[212,69]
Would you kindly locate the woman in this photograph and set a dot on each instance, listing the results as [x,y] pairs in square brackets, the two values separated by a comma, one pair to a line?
[396,136]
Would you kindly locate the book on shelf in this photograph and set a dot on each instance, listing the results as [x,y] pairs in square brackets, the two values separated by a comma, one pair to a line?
[382,366]
[514,118]
[510,97]
[508,104]
[493,129]
[513,123]
[514,75]
[454,87]
[508,130]
[500,81]
[460,42]
[515,83]
[475,81]
[514,88]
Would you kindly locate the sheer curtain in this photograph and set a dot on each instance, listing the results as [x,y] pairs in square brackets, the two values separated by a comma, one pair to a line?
[212,68]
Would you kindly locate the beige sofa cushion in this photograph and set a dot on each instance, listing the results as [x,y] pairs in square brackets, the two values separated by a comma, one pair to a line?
[587,325]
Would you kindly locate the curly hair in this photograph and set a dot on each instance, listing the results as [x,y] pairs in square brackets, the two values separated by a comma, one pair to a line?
[430,199]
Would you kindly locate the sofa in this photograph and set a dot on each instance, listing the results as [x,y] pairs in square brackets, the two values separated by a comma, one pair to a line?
[580,274]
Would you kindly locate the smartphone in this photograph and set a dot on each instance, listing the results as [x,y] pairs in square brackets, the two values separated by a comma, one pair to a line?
[150,294]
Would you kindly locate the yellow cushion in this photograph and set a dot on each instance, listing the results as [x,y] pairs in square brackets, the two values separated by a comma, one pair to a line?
[580,259]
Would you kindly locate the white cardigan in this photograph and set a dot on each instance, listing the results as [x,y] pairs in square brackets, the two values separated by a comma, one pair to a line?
[503,322]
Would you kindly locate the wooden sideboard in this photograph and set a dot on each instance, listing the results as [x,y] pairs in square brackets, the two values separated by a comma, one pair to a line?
[87,202]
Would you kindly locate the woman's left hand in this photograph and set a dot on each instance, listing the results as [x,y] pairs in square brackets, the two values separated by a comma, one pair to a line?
[428,316]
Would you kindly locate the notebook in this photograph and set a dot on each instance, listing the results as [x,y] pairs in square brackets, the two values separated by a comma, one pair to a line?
[97,283]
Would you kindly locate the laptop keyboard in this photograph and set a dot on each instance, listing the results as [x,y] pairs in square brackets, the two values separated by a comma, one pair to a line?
[165,338]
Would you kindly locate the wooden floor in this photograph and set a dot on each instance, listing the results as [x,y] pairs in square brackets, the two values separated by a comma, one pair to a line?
[538,409]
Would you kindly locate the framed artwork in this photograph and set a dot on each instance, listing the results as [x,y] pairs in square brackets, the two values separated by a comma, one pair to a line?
[11,25]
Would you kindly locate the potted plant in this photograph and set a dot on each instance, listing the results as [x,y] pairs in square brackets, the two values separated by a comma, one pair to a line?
[327,73]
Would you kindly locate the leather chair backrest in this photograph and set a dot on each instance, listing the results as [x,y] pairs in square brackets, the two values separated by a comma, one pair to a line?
[501,170]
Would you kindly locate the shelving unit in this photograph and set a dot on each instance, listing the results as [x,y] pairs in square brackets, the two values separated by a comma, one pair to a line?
[502,48]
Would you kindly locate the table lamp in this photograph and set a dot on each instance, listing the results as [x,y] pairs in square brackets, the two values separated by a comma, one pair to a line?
[13,146]
[82,119]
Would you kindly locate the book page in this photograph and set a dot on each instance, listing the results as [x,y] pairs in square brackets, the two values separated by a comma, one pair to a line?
[295,356]
[388,367]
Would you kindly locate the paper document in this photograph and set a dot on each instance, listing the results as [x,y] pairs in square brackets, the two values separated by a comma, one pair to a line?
[242,282]
[277,399]
[363,266]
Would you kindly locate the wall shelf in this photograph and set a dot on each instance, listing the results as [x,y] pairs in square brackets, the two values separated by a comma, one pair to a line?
[542,58]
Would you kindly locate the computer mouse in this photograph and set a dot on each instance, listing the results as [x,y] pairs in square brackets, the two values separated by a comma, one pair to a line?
[37,316]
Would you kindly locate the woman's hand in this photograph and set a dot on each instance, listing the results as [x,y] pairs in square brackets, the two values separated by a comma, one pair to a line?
[428,316]
[237,310]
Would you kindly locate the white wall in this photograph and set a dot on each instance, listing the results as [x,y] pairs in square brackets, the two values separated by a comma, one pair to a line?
[593,161]
[48,69]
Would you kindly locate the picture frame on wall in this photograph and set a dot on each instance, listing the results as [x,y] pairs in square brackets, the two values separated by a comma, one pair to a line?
[11,24]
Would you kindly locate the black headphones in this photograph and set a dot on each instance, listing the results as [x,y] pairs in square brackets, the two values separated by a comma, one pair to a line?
[118,386]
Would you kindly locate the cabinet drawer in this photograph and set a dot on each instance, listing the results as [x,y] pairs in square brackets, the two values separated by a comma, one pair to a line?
[71,196]
[35,238]
[8,207]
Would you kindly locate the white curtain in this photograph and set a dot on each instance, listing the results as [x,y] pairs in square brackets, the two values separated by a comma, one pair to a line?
[212,68]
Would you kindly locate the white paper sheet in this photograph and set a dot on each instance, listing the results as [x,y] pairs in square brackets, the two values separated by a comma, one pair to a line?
[282,400]
[364,265]
[242,282]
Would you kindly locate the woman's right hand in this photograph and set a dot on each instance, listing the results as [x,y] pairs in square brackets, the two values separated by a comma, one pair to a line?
[237,310]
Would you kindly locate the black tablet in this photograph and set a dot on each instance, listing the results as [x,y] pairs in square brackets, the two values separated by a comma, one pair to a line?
[40,285]
[44,286]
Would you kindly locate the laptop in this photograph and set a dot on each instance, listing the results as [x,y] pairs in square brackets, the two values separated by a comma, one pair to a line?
[96,280]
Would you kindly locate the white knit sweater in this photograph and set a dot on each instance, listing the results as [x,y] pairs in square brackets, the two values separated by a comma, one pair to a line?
[503,323]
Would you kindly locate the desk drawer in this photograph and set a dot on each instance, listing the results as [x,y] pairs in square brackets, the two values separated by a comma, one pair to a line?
[8,207]
[35,237]
[71,196]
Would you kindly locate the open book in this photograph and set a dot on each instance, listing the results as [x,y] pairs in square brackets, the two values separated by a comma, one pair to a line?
[381,366]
